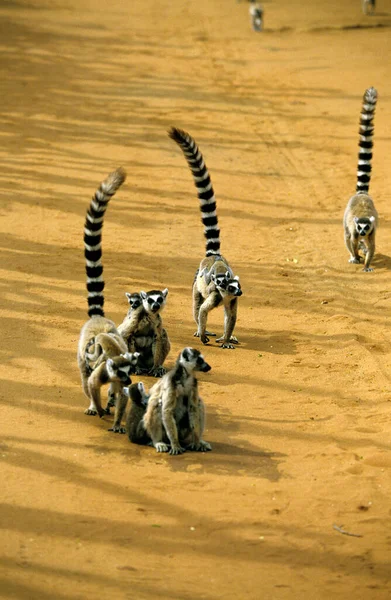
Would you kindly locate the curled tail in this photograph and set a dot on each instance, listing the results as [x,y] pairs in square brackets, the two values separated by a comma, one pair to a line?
[204,188]
[93,238]
[365,143]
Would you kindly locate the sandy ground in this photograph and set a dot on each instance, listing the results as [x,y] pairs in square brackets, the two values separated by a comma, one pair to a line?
[299,414]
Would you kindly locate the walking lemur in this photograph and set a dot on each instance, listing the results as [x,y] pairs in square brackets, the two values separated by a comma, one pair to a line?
[361,219]
[214,282]
[143,331]
[172,418]
[102,353]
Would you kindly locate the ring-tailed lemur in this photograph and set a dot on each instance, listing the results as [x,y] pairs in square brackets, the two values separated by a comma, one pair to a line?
[214,282]
[102,354]
[361,219]
[172,416]
[143,331]
[368,6]
[256,14]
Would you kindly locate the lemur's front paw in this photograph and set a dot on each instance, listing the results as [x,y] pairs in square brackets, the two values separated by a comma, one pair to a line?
[201,446]
[204,339]
[355,261]
[162,447]
[176,449]
[228,345]
[233,340]
[141,371]
[90,412]
[367,269]
[157,372]
[117,429]
[210,333]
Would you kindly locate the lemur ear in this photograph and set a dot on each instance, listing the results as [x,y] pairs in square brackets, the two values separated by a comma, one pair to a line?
[372,219]
[126,391]
[356,219]
[227,275]
[186,353]
[141,387]
[213,277]
[143,295]
[130,356]
[236,277]
[128,296]
[165,292]
[110,363]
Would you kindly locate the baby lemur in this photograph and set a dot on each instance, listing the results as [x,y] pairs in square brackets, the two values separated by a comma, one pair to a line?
[172,418]
[143,331]
[214,282]
[102,354]
[361,219]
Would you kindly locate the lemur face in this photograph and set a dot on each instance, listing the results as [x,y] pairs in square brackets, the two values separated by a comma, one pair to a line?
[137,393]
[154,300]
[120,367]
[193,360]
[227,285]
[233,287]
[364,226]
[134,300]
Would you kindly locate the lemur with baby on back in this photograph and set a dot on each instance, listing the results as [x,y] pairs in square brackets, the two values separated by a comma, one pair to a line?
[103,357]
[214,282]
[143,331]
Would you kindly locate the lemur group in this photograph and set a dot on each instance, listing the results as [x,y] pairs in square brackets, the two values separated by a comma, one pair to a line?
[171,415]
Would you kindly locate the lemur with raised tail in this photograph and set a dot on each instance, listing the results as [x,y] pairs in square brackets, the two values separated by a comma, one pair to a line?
[143,331]
[102,353]
[361,219]
[172,416]
[214,282]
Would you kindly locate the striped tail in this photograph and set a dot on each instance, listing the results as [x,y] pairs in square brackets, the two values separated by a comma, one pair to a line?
[204,188]
[365,141]
[93,238]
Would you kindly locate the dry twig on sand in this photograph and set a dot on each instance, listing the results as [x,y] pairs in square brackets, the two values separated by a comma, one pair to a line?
[346,532]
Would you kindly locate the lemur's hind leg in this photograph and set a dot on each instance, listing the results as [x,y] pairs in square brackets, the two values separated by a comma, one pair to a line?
[110,399]
[352,248]
[197,301]
[197,444]
[230,313]
[91,410]
[120,401]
